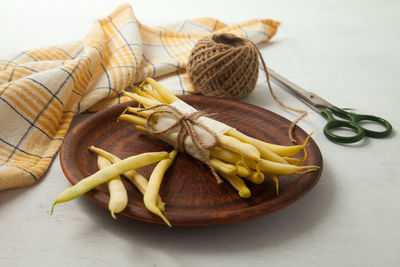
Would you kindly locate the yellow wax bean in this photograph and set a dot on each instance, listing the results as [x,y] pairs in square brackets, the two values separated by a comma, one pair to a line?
[283,169]
[264,152]
[141,129]
[144,94]
[226,155]
[221,166]
[141,184]
[134,119]
[143,100]
[286,150]
[293,161]
[140,112]
[255,177]
[238,184]
[163,92]
[152,93]
[136,179]
[153,187]
[144,113]
[118,195]
[233,144]
[108,173]
[242,171]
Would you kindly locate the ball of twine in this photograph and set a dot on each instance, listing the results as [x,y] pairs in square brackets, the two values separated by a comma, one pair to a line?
[224,65]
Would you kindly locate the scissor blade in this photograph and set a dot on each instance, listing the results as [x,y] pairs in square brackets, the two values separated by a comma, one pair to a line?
[312,100]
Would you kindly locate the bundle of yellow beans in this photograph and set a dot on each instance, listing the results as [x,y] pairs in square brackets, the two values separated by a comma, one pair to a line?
[233,155]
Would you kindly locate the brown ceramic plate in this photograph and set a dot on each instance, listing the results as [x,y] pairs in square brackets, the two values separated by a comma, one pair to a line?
[191,193]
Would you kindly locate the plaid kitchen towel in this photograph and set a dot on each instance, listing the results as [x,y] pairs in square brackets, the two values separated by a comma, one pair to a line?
[41,90]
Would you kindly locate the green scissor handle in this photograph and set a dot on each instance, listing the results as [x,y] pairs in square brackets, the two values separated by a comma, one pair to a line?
[378,120]
[352,123]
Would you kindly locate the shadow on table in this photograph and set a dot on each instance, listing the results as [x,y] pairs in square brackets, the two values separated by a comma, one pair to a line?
[290,223]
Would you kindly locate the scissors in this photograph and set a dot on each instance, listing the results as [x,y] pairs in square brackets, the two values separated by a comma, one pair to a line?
[351,120]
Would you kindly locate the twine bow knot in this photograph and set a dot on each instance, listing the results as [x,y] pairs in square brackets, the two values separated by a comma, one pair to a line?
[187,123]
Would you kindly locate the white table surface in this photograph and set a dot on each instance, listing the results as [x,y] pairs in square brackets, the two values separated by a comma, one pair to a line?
[345,51]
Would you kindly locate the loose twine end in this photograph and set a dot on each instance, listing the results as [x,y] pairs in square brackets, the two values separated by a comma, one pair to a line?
[302,113]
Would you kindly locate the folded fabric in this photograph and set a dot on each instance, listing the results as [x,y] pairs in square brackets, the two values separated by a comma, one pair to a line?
[41,90]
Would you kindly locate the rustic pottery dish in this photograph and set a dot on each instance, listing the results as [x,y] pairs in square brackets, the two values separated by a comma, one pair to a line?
[191,193]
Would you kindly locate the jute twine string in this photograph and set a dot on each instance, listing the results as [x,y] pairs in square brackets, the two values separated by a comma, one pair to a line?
[224,65]
[302,113]
[186,123]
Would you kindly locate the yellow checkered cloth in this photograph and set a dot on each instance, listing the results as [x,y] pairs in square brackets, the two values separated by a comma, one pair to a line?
[41,90]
